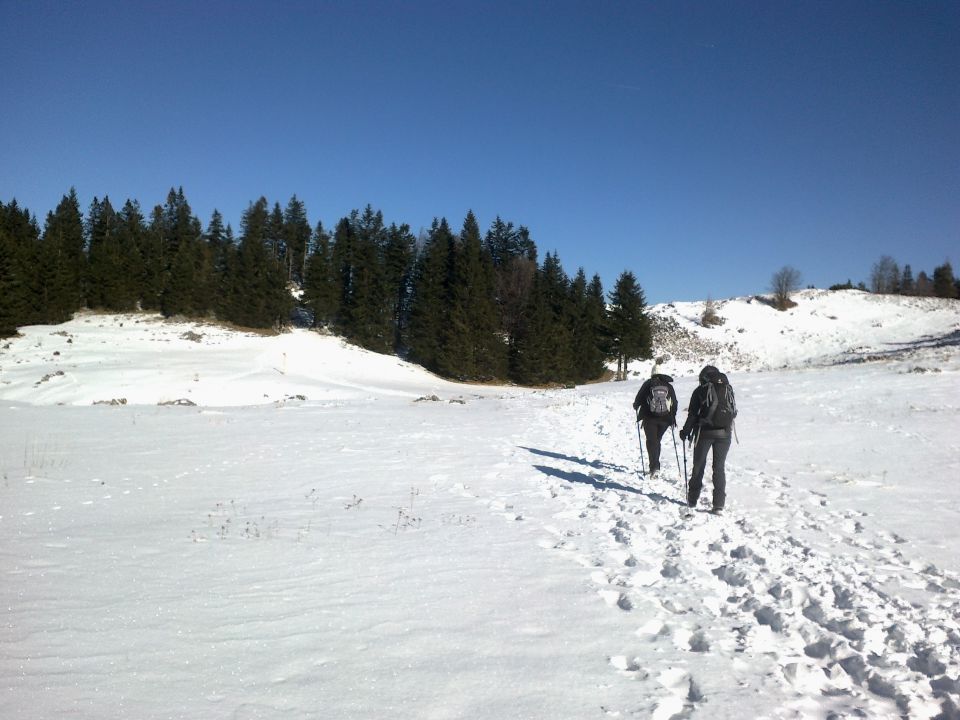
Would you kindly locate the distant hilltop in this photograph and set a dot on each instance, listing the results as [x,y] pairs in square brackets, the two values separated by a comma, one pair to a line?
[825,327]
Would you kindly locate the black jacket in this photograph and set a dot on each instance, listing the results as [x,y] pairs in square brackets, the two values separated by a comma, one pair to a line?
[640,401]
[694,422]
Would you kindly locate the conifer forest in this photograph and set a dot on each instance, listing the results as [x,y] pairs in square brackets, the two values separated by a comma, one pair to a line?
[466,304]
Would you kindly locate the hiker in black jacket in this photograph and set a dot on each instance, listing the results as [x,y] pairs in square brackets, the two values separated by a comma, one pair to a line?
[656,406]
[710,429]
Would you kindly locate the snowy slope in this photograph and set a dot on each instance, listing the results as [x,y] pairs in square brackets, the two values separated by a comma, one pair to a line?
[825,328]
[315,539]
[144,360]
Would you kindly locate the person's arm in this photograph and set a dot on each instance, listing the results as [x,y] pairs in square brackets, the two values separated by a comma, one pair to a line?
[638,400]
[691,422]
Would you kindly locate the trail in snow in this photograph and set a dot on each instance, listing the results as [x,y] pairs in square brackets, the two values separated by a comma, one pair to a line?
[863,630]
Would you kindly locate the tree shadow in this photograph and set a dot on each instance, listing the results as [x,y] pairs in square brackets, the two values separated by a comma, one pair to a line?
[900,350]
[589,463]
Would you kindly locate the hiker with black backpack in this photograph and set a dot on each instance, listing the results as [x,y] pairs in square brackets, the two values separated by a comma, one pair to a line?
[656,407]
[709,426]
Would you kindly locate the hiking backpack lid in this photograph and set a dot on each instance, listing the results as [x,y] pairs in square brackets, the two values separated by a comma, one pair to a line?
[659,402]
[720,404]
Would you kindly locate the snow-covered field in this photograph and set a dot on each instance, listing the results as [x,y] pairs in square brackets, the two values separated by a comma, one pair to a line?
[330,533]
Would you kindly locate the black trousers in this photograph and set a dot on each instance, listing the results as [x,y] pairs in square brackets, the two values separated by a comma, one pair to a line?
[720,446]
[654,430]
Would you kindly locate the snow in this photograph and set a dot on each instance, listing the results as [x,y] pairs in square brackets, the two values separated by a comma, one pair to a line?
[333,533]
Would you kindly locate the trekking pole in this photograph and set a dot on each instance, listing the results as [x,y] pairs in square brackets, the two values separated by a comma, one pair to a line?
[673,431]
[643,463]
[686,485]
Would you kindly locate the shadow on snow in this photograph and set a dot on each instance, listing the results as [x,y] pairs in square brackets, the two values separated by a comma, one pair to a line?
[598,482]
[589,463]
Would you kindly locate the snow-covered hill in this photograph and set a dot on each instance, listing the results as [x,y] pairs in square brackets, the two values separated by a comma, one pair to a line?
[332,533]
[825,328]
[144,360]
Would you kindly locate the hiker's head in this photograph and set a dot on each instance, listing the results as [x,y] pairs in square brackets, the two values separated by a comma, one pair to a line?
[708,373]
[656,369]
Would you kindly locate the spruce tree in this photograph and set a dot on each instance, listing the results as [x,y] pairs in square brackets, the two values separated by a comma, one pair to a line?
[106,274]
[368,308]
[131,233]
[19,269]
[587,328]
[181,257]
[259,295]
[430,298]
[154,261]
[944,284]
[296,238]
[530,363]
[559,342]
[217,248]
[319,285]
[907,284]
[514,257]
[629,326]
[472,348]
[63,261]
[276,231]
[398,258]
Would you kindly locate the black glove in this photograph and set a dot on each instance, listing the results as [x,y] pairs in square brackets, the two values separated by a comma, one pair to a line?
[684,434]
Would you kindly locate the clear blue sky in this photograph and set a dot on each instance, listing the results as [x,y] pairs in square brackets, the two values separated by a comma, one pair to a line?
[702,145]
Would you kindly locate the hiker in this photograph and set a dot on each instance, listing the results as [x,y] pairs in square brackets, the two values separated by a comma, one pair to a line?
[709,427]
[656,406]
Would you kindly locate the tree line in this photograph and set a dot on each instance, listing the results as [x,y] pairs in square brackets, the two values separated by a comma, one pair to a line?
[888,278]
[465,304]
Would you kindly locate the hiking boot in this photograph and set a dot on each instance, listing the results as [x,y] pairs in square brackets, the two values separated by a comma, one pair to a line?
[717,511]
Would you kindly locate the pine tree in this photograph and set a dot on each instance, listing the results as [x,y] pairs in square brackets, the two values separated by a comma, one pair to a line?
[587,328]
[218,247]
[907,284]
[398,259]
[559,340]
[180,237]
[63,261]
[430,299]
[276,232]
[259,297]
[529,352]
[19,276]
[131,232]
[367,309]
[514,257]
[944,283]
[319,285]
[106,274]
[154,260]
[472,348]
[296,238]
[628,323]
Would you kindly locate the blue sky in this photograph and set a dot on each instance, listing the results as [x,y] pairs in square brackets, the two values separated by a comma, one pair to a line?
[702,145]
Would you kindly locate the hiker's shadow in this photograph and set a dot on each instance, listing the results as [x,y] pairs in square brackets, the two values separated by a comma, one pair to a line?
[589,463]
[596,480]
[592,481]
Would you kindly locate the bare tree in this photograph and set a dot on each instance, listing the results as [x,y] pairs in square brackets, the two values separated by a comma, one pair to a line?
[710,317]
[784,283]
[885,276]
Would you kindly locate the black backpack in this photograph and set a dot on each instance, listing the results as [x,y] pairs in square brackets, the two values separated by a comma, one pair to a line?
[719,407]
[658,401]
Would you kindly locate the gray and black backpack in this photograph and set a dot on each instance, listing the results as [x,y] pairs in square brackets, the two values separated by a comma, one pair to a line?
[719,407]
